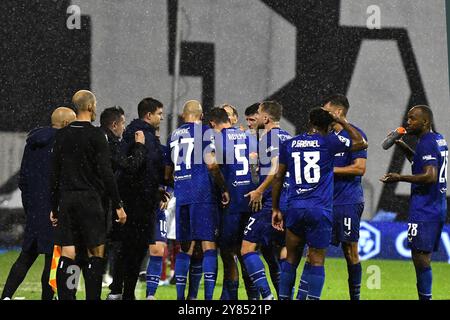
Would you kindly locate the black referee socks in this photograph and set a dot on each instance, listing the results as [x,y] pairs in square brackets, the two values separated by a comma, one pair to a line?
[93,274]
[67,278]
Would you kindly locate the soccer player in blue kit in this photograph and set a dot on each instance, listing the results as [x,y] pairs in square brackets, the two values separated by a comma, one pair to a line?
[428,203]
[309,158]
[233,153]
[259,227]
[196,176]
[348,201]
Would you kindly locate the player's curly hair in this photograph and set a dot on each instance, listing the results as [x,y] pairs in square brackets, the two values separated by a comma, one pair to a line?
[320,118]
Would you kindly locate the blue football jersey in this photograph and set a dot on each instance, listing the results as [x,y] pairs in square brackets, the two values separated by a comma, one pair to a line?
[348,190]
[233,152]
[192,182]
[428,201]
[309,159]
[269,148]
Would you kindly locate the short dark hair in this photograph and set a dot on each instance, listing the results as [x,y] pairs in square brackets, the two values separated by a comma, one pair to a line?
[426,110]
[109,115]
[320,118]
[148,105]
[273,108]
[338,100]
[218,115]
[253,109]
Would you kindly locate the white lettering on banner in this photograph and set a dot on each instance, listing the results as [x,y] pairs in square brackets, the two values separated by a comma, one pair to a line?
[446,241]
[401,249]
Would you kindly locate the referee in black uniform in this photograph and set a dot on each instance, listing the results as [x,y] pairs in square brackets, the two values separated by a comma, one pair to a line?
[82,175]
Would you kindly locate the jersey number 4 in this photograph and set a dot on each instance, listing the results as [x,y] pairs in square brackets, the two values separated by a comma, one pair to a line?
[311,171]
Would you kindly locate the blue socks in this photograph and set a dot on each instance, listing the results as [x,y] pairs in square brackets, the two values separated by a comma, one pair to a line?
[195,276]
[303,286]
[354,280]
[316,279]
[255,269]
[210,271]
[181,271]
[287,281]
[424,282]
[154,270]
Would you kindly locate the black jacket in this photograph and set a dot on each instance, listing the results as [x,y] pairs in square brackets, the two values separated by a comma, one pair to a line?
[131,162]
[82,162]
[34,183]
[145,182]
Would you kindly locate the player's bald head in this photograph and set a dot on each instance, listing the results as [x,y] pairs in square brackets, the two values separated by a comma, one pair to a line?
[193,109]
[424,112]
[62,116]
[84,100]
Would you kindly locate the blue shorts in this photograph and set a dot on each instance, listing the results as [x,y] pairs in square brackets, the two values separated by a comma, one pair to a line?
[424,236]
[259,229]
[346,221]
[160,226]
[232,227]
[197,221]
[314,225]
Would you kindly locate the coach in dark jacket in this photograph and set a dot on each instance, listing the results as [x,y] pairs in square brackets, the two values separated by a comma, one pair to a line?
[140,193]
[34,182]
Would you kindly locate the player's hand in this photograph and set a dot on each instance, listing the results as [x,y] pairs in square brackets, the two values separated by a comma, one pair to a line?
[121,215]
[277,220]
[164,195]
[338,118]
[53,219]
[225,198]
[255,201]
[139,137]
[390,178]
[163,205]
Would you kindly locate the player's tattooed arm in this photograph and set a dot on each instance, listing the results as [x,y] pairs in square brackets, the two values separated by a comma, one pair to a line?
[409,153]
[277,217]
[429,176]
[255,201]
[357,168]
[358,141]
[254,167]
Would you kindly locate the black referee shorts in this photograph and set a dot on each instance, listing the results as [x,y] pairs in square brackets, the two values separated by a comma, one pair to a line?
[81,219]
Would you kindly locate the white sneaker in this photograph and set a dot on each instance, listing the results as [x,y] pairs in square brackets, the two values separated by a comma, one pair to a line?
[151,298]
[107,280]
[164,282]
[269,297]
[6,298]
[114,296]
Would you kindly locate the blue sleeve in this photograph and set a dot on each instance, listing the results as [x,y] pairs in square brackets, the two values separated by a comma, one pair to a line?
[337,143]
[428,153]
[283,158]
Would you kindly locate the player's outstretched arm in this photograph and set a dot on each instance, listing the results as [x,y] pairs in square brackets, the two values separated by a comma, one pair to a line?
[409,153]
[429,176]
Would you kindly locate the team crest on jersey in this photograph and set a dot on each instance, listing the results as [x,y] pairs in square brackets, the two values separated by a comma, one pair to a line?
[344,140]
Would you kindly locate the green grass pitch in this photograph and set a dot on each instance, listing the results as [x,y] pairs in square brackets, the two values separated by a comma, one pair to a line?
[396,281]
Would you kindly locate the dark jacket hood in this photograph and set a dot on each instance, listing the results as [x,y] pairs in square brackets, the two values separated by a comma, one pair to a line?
[136,125]
[41,137]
